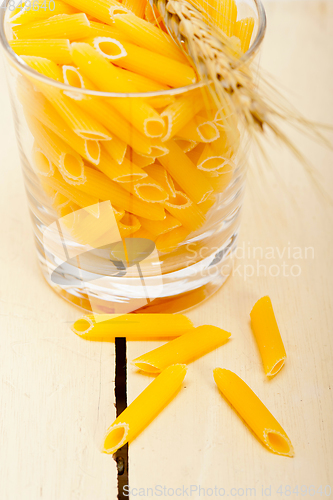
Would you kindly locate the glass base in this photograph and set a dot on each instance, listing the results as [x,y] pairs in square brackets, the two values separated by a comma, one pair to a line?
[181,290]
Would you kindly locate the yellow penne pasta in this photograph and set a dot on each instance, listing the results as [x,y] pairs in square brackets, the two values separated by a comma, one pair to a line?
[138,7]
[157,149]
[254,412]
[183,349]
[143,234]
[145,62]
[214,158]
[161,101]
[243,29]
[185,145]
[178,114]
[148,190]
[144,34]
[170,241]
[106,327]
[68,162]
[117,124]
[40,10]
[208,203]
[161,176]
[185,173]
[156,228]
[84,200]
[221,180]
[117,149]
[35,104]
[108,78]
[268,337]
[143,84]
[99,185]
[199,130]
[43,166]
[61,201]
[196,152]
[224,15]
[184,210]
[72,26]
[57,50]
[128,225]
[82,124]
[144,408]
[100,29]
[140,160]
[126,172]
[99,9]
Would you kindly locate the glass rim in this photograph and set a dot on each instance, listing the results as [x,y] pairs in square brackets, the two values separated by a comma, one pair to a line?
[179,90]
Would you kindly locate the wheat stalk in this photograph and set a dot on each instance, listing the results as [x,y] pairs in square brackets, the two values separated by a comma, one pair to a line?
[216,59]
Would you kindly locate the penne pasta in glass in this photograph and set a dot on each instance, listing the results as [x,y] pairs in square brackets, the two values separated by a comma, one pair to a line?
[168,242]
[199,130]
[184,349]
[99,185]
[126,172]
[148,190]
[161,176]
[189,178]
[253,412]
[187,212]
[144,408]
[268,337]
[82,124]
[128,224]
[108,78]
[156,228]
[72,27]
[243,29]
[145,62]
[99,9]
[106,327]
[68,162]
[35,104]
[57,50]
[117,149]
[146,35]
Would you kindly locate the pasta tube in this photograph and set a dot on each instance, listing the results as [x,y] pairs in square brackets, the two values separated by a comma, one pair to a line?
[136,6]
[243,30]
[69,163]
[268,337]
[185,145]
[128,225]
[143,233]
[73,27]
[43,166]
[145,62]
[99,185]
[187,212]
[178,114]
[185,173]
[30,15]
[117,124]
[184,349]
[117,149]
[160,227]
[148,190]
[144,34]
[99,9]
[82,124]
[208,203]
[126,172]
[170,241]
[199,130]
[57,50]
[35,104]
[84,200]
[254,412]
[144,408]
[212,160]
[106,327]
[161,176]
[140,160]
[108,78]
[99,29]
[222,179]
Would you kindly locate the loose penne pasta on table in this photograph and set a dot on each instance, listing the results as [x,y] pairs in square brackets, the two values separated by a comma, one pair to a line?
[254,412]
[183,349]
[268,337]
[144,408]
[106,327]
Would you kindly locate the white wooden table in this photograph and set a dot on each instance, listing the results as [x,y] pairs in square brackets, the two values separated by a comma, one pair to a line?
[57,392]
